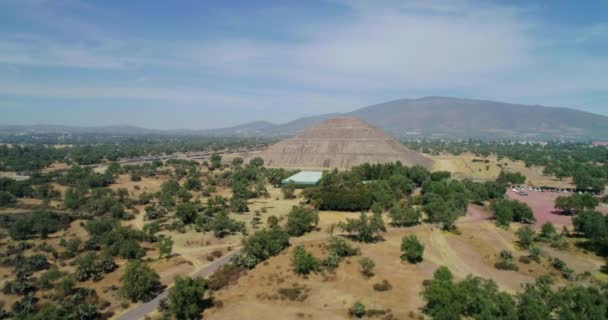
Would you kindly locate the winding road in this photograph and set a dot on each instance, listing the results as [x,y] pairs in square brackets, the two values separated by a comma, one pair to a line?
[140,311]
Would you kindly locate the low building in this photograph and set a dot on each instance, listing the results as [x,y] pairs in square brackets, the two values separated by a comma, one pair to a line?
[304,178]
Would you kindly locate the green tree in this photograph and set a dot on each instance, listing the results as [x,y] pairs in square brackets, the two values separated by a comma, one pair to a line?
[411,249]
[222,225]
[365,229]
[303,262]
[139,282]
[526,236]
[186,212]
[404,217]
[7,199]
[165,246]
[256,162]
[507,211]
[301,220]
[193,183]
[266,243]
[185,298]
[216,161]
[237,162]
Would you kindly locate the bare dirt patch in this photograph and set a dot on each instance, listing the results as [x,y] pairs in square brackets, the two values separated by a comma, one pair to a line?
[543,205]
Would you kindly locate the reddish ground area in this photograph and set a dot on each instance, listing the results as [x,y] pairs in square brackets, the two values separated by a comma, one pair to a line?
[542,203]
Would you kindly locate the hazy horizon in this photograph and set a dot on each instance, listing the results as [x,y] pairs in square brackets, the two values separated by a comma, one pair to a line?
[201,65]
[97,124]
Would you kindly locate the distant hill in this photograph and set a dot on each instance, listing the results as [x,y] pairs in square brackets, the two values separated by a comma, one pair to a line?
[469,118]
[439,117]
[480,118]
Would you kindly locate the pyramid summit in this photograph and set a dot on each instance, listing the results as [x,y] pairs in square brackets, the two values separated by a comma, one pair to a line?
[342,143]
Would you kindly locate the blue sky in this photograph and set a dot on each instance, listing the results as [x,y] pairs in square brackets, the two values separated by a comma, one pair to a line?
[206,64]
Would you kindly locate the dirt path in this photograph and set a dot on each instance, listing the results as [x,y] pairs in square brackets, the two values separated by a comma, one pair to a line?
[141,310]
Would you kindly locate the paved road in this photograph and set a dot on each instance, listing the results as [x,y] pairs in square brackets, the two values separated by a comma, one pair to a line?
[143,309]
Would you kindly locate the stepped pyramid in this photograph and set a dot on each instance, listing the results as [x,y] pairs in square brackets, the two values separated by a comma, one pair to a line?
[342,143]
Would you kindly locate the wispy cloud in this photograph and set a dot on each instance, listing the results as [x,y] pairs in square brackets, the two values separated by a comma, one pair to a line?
[366,52]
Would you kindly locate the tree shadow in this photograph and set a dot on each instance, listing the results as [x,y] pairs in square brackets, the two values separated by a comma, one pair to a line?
[594,247]
[352,237]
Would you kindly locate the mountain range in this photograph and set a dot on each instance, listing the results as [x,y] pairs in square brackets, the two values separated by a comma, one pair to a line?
[438,117]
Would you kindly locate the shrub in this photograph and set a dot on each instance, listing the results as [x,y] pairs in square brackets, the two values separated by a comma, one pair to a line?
[526,236]
[48,279]
[224,276]
[303,262]
[293,294]
[367,266]
[558,264]
[342,248]
[289,190]
[384,285]
[272,221]
[245,261]
[548,231]
[506,261]
[357,310]
[535,254]
[332,261]
[525,259]
[411,249]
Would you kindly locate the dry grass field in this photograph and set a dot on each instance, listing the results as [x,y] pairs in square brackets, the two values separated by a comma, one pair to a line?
[272,290]
[470,166]
[328,295]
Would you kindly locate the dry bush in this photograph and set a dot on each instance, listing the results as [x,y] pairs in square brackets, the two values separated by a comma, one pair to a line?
[295,293]
[225,276]
[384,285]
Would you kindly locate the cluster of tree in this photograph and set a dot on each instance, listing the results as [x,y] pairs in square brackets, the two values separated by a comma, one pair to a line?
[137,171]
[585,164]
[507,211]
[40,222]
[593,226]
[260,246]
[366,228]
[576,203]
[477,298]
[35,154]
[97,202]
[389,186]
[511,178]
[80,177]
[38,186]
[66,301]
[93,266]
[114,240]
[361,187]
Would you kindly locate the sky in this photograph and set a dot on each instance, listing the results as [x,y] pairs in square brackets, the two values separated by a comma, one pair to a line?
[210,64]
